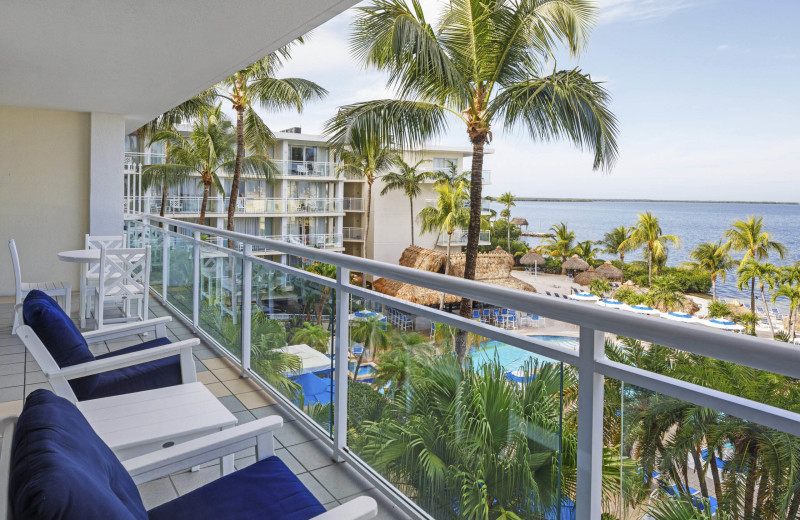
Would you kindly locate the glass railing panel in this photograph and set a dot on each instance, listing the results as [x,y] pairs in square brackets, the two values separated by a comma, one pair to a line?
[459,422]
[221,298]
[180,276]
[154,237]
[674,459]
[292,336]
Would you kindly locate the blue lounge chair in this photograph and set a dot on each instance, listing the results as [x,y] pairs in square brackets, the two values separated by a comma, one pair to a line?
[548,293]
[59,468]
[63,354]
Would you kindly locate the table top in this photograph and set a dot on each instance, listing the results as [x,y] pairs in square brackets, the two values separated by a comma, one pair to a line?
[129,420]
[80,256]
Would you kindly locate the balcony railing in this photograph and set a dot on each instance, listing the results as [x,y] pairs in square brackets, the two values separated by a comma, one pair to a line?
[485,204]
[305,169]
[353,233]
[550,416]
[459,238]
[486,177]
[245,205]
[353,204]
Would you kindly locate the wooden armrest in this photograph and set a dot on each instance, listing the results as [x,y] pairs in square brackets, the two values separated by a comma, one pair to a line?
[361,508]
[125,360]
[128,329]
[157,464]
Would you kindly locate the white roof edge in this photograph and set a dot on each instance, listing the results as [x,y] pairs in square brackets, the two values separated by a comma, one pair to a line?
[465,151]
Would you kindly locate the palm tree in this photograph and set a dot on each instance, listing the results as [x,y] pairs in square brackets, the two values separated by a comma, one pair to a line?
[161,175]
[314,336]
[765,274]
[371,332]
[715,260]
[367,155]
[757,243]
[450,175]
[562,244]
[612,243]
[586,250]
[507,200]
[482,64]
[407,180]
[792,294]
[446,216]
[647,232]
[328,271]
[256,85]
[665,294]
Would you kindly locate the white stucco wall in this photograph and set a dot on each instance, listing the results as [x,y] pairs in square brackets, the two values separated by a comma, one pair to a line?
[44,191]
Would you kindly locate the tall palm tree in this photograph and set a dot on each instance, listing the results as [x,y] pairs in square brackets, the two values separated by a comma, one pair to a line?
[450,175]
[586,250]
[407,180]
[562,242]
[371,332]
[763,273]
[483,64]
[314,336]
[365,154]
[256,85]
[612,244]
[507,199]
[647,232]
[714,259]
[792,294]
[756,242]
[446,216]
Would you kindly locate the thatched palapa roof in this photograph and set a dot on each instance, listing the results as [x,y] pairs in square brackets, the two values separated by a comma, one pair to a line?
[531,258]
[519,221]
[494,267]
[609,272]
[575,263]
[586,278]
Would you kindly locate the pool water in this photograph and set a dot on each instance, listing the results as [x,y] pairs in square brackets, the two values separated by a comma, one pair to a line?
[512,358]
[363,370]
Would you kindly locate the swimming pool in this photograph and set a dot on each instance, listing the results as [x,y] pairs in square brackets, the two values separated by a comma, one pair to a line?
[363,370]
[512,358]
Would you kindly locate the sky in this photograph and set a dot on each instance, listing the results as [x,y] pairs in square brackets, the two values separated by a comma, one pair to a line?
[705,92]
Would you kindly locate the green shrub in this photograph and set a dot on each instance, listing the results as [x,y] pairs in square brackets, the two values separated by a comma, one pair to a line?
[629,296]
[718,309]
[600,287]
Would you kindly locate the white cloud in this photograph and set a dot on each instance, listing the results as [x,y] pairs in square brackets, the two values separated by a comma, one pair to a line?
[723,47]
[626,10]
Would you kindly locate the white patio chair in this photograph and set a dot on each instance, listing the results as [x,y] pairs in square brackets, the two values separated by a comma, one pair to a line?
[90,272]
[21,289]
[124,276]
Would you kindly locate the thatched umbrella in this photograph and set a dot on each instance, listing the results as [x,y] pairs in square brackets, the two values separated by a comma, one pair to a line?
[586,278]
[575,263]
[532,258]
[609,272]
[519,221]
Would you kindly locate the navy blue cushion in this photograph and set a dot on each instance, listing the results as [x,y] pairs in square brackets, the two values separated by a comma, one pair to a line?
[59,335]
[61,469]
[146,376]
[265,490]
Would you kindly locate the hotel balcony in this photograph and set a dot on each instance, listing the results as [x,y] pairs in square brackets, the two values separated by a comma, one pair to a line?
[354,234]
[354,204]
[459,238]
[245,206]
[313,169]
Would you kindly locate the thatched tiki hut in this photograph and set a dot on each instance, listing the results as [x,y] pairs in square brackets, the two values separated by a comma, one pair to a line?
[586,278]
[574,263]
[519,221]
[494,268]
[532,258]
[609,272]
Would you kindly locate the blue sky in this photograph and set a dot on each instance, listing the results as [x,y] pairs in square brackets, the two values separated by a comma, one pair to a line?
[705,92]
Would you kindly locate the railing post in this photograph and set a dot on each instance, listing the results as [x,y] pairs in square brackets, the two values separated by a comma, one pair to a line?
[590,425]
[196,282]
[341,345]
[247,285]
[164,260]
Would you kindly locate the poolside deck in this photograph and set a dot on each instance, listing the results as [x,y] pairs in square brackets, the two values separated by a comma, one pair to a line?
[332,483]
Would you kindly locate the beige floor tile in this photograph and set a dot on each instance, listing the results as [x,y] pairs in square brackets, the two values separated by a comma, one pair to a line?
[255,399]
[226,374]
[240,386]
[10,408]
[218,389]
[207,377]
[215,363]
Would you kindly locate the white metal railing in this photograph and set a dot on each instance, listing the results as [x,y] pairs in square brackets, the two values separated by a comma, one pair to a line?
[353,204]
[589,359]
[244,205]
[486,174]
[459,238]
[353,233]
[484,204]
[305,169]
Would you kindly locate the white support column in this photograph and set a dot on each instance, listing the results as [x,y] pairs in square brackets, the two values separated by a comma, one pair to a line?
[341,345]
[106,173]
[590,426]
[196,280]
[247,284]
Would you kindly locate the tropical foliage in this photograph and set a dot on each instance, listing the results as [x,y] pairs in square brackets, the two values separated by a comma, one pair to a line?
[715,260]
[408,180]
[647,234]
[613,241]
[507,199]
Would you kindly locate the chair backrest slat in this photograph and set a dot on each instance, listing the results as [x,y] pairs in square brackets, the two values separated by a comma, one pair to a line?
[12,246]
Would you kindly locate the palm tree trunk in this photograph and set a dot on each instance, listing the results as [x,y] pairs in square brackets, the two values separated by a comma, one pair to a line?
[446,267]
[761,497]
[163,198]
[794,506]
[622,263]
[712,461]
[753,295]
[411,202]
[206,188]
[713,287]
[698,466]
[358,363]
[650,267]
[237,170]
[508,232]
[366,227]
[750,486]
[766,310]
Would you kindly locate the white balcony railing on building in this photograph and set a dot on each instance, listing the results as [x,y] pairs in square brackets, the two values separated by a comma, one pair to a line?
[353,204]
[353,233]
[244,205]
[486,176]
[205,284]
[459,238]
[485,204]
[305,169]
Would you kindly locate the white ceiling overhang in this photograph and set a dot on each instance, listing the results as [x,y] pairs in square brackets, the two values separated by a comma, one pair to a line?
[139,57]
